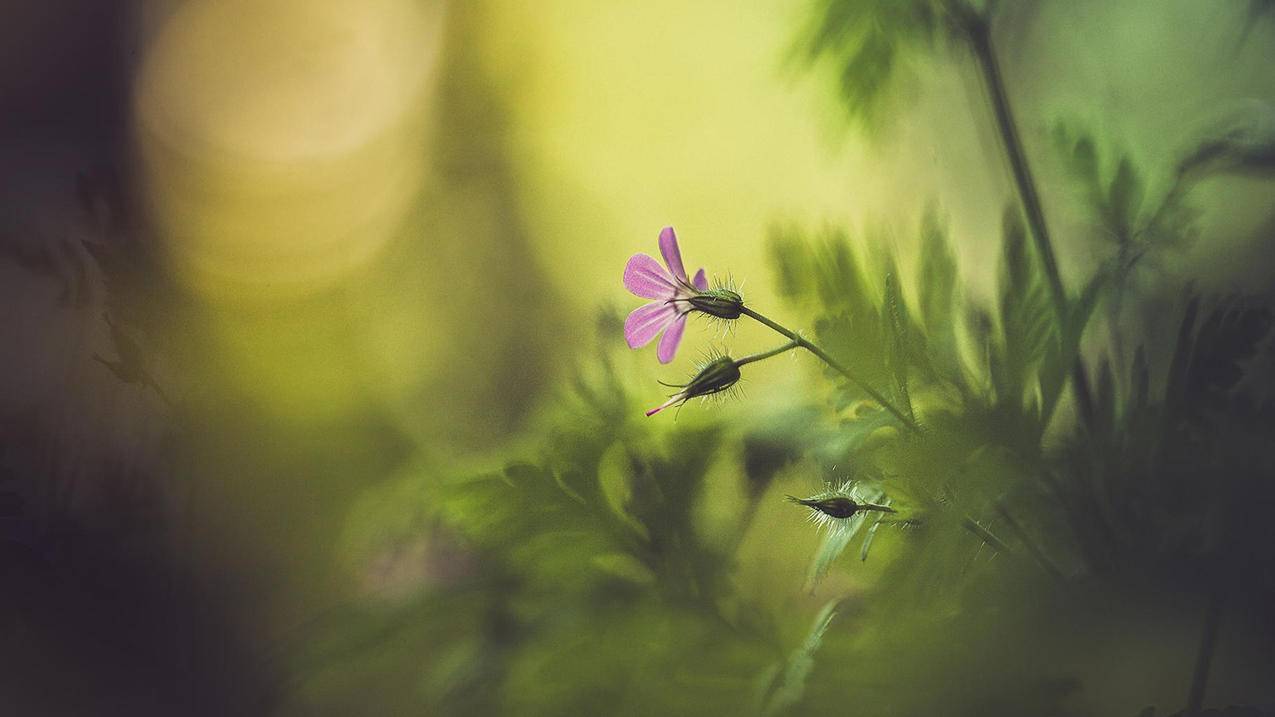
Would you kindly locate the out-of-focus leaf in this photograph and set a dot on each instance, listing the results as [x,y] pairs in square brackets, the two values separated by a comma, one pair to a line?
[642,658]
[1226,340]
[624,566]
[867,539]
[802,660]
[848,306]
[898,324]
[1175,384]
[1141,230]
[1141,380]
[869,42]
[1241,143]
[1209,361]
[936,283]
[1080,157]
[788,256]
[1124,201]
[840,533]
[1104,399]
[523,514]
[1028,323]
[1064,351]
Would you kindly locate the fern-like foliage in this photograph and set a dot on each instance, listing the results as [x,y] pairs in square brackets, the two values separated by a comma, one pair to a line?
[869,44]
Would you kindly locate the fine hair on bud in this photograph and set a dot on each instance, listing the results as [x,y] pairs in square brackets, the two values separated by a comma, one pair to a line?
[719,303]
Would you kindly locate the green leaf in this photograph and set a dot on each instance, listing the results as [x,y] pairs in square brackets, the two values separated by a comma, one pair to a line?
[867,539]
[1141,380]
[623,566]
[1243,142]
[789,257]
[1028,323]
[897,322]
[868,42]
[1175,385]
[1065,350]
[1105,409]
[840,533]
[1124,200]
[936,283]
[802,660]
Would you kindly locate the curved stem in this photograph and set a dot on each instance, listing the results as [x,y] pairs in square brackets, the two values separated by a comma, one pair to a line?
[767,354]
[803,342]
[979,33]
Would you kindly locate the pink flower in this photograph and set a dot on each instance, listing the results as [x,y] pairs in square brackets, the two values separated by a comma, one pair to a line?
[672,292]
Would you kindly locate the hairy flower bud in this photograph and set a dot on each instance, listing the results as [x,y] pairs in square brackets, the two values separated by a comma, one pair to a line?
[839,503]
[714,377]
[722,303]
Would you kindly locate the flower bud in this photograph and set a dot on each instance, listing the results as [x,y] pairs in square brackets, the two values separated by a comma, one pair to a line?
[835,505]
[722,303]
[716,376]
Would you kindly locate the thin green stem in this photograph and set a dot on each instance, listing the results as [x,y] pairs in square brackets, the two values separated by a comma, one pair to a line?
[803,342]
[1036,551]
[978,30]
[985,535]
[766,354]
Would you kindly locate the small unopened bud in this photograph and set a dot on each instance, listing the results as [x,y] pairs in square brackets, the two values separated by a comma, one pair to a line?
[834,506]
[722,303]
[716,376]
[839,506]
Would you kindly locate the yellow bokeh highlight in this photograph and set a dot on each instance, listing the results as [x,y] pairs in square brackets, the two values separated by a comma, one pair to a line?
[282,142]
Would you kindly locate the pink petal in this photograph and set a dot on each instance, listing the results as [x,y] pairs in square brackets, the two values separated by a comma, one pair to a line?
[671,338]
[700,281]
[646,321]
[664,405]
[672,255]
[644,276]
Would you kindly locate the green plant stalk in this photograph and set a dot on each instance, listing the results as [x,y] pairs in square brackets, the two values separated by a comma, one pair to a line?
[766,354]
[978,31]
[800,341]
[985,535]
[1036,551]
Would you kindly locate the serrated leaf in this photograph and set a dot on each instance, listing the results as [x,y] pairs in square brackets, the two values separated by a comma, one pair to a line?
[867,41]
[897,322]
[1225,341]
[1028,322]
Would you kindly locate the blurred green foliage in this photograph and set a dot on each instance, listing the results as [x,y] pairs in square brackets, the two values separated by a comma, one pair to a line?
[600,566]
[1027,528]
[593,590]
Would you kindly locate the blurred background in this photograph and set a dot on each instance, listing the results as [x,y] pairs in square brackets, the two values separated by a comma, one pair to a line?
[271,269]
